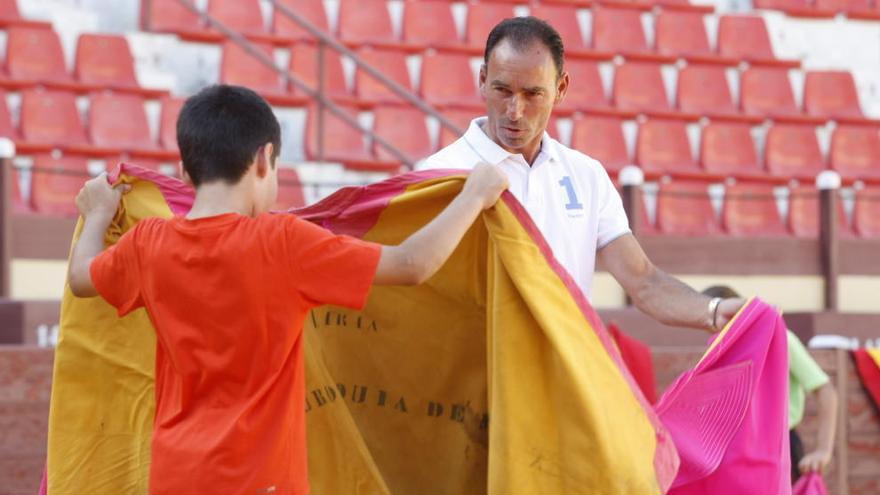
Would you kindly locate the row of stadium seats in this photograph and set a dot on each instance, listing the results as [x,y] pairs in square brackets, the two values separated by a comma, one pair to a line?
[431,24]
[855,9]
[34,56]
[50,185]
[117,125]
[682,207]
[749,210]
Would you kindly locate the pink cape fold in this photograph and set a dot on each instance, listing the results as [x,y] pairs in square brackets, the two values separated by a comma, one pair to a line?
[728,416]
[810,484]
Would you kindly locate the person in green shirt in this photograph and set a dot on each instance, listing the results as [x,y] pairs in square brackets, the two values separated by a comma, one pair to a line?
[805,377]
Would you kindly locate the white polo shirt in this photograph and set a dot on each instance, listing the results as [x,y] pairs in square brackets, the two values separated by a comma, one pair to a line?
[569,195]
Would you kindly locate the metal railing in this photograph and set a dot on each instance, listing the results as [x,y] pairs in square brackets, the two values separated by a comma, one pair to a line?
[325,41]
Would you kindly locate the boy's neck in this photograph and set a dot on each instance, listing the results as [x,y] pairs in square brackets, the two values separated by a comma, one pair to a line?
[218,198]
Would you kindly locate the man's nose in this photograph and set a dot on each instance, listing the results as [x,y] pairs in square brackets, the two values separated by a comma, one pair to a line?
[515,108]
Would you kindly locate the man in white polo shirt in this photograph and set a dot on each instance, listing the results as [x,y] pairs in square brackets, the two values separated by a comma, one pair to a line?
[569,195]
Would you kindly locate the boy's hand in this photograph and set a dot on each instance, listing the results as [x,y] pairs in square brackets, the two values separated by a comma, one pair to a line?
[486,183]
[815,462]
[99,199]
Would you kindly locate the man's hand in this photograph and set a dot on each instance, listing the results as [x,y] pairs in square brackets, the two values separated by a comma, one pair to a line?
[727,309]
[486,183]
[98,199]
[815,461]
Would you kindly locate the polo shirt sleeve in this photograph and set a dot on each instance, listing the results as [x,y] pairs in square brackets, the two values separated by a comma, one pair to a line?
[329,268]
[802,366]
[116,273]
[612,217]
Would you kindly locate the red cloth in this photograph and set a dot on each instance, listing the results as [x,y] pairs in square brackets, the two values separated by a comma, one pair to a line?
[228,296]
[637,357]
[810,484]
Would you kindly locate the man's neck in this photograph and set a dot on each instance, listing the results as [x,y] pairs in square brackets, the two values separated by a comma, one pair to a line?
[218,198]
[529,157]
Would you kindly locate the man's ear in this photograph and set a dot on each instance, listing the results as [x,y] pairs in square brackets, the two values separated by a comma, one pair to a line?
[562,87]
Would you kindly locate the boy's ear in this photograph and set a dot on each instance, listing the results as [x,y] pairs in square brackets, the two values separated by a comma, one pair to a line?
[183,175]
[264,159]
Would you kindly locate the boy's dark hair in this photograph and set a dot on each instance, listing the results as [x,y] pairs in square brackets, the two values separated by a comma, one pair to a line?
[219,131]
[722,291]
[522,32]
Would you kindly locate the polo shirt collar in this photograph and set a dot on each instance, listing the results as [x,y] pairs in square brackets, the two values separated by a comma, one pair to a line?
[492,153]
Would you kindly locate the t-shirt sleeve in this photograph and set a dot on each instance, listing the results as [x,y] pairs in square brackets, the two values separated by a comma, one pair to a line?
[329,268]
[116,273]
[802,366]
[612,217]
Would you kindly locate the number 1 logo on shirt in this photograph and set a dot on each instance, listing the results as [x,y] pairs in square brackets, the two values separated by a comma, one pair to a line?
[573,203]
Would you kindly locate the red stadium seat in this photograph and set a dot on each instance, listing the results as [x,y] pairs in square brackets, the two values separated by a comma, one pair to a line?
[51,118]
[601,138]
[460,117]
[119,121]
[448,81]
[703,89]
[430,23]
[586,91]
[750,211]
[6,127]
[745,37]
[366,22]
[312,10]
[304,65]
[831,95]
[618,31]
[855,152]
[105,60]
[847,6]
[793,6]
[241,68]
[803,214]
[391,63]
[405,128]
[727,149]
[168,122]
[10,16]
[866,215]
[290,190]
[682,34]
[34,55]
[792,151]
[245,17]
[481,18]
[170,16]
[564,19]
[766,91]
[662,147]
[342,143]
[684,209]
[638,86]
[56,182]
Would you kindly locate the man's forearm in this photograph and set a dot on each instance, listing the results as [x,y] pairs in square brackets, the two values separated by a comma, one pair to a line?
[672,302]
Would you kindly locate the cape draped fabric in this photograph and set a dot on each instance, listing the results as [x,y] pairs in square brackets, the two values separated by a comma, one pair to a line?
[400,396]
[729,414]
[637,357]
[810,484]
[868,367]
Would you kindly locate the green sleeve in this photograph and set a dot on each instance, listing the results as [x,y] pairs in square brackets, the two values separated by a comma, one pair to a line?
[802,366]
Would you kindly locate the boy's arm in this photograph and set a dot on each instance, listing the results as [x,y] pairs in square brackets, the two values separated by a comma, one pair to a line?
[818,459]
[420,256]
[97,202]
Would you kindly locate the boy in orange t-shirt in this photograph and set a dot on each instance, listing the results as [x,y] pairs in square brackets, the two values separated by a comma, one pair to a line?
[227,288]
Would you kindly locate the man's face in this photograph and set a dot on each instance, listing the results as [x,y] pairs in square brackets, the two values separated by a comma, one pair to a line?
[520,88]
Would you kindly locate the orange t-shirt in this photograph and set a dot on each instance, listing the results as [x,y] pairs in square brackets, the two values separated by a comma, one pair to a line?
[228,296]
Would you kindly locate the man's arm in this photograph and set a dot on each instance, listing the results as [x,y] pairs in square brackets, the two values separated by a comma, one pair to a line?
[97,202]
[819,458]
[659,295]
[420,256]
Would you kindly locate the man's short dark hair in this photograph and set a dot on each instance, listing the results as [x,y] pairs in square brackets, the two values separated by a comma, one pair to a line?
[721,291]
[220,130]
[522,32]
